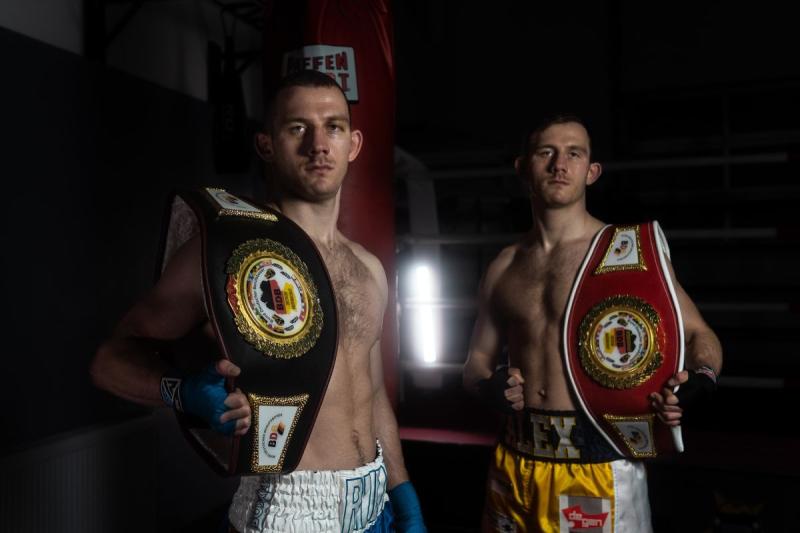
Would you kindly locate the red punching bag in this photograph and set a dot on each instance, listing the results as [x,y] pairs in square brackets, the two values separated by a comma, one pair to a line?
[350,40]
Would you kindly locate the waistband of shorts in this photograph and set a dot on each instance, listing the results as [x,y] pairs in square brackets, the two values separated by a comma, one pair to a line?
[556,436]
[274,502]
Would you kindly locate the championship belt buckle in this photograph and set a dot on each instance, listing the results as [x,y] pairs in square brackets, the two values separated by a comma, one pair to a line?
[623,338]
[271,305]
[619,342]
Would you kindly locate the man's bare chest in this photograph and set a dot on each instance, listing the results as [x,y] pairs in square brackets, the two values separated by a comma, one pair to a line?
[357,297]
[536,287]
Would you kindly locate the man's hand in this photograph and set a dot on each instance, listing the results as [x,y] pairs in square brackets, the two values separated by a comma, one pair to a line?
[503,390]
[236,402]
[696,386]
[514,393]
[666,404]
[204,395]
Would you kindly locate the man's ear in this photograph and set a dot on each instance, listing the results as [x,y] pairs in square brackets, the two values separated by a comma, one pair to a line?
[263,142]
[518,164]
[594,173]
[519,167]
[356,141]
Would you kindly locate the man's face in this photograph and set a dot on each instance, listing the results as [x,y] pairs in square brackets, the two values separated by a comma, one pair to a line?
[558,167]
[310,143]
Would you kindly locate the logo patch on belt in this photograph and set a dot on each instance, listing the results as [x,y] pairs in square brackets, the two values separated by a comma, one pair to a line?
[624,252]
[618,342]
[231,205]
[274,420]
[273,298]
[636,432]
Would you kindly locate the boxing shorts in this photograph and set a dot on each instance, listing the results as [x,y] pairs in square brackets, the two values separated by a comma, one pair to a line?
[313,501]
[553,472]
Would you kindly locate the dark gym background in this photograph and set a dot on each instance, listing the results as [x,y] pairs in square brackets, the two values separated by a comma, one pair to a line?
[107,105]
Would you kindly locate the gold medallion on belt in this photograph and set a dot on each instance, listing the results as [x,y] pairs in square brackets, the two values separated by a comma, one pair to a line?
[619,342]
[273,297]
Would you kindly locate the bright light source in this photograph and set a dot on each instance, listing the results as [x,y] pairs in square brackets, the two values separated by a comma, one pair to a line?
[425,318]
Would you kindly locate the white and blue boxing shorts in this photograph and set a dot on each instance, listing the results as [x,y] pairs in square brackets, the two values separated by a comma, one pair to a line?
[314,501]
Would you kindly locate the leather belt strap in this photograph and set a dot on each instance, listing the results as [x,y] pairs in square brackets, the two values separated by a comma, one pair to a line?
[270,302]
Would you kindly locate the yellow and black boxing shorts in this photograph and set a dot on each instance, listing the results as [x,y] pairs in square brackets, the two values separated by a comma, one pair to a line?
[553,472]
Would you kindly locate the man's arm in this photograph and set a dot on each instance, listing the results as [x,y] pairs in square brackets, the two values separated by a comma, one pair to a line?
[403,497]
[499,388]
[484,345]
[385,423]
[702,345]
[129,365]
[702,361]
[405,503]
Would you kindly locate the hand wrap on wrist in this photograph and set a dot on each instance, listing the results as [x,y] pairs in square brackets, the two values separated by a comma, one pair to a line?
[202,395]
[492,390]
[407,510]
[699,388]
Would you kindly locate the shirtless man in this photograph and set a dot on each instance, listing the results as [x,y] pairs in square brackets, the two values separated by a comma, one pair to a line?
[307,144]
[522,304]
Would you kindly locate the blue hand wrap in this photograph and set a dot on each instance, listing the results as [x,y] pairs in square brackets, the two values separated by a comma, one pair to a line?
[407,511]
[201,395]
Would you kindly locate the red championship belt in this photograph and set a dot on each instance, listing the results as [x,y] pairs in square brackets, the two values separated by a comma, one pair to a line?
[623,337]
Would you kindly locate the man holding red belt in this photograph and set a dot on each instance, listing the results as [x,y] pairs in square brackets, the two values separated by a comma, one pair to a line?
[560,463]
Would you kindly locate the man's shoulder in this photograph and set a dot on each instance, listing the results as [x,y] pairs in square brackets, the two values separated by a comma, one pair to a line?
[182,270]
[187,256]
[500,264]
[506,256]
[364,255]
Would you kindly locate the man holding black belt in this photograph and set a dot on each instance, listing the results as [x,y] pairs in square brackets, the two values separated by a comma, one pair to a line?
[352,458]
[563,463]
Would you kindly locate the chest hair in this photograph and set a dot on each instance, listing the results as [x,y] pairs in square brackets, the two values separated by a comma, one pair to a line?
[536,285]
[357,295]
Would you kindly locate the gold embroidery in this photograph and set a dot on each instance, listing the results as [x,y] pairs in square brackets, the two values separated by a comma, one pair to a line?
[618,342]
[260,272]
[628,428]
[639,265]
[253,212]
[259,440]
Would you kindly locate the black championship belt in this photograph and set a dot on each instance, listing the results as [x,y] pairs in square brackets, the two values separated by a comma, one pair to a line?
[270,302]
[623,338]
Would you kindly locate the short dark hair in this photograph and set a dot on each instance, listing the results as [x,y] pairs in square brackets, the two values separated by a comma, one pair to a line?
[532,135]
[300,78]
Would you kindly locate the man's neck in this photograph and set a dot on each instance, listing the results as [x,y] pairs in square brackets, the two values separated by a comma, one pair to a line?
[554,226]
[318,220]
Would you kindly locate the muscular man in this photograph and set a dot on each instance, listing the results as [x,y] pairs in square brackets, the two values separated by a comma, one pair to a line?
[307,145]
[522,305]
